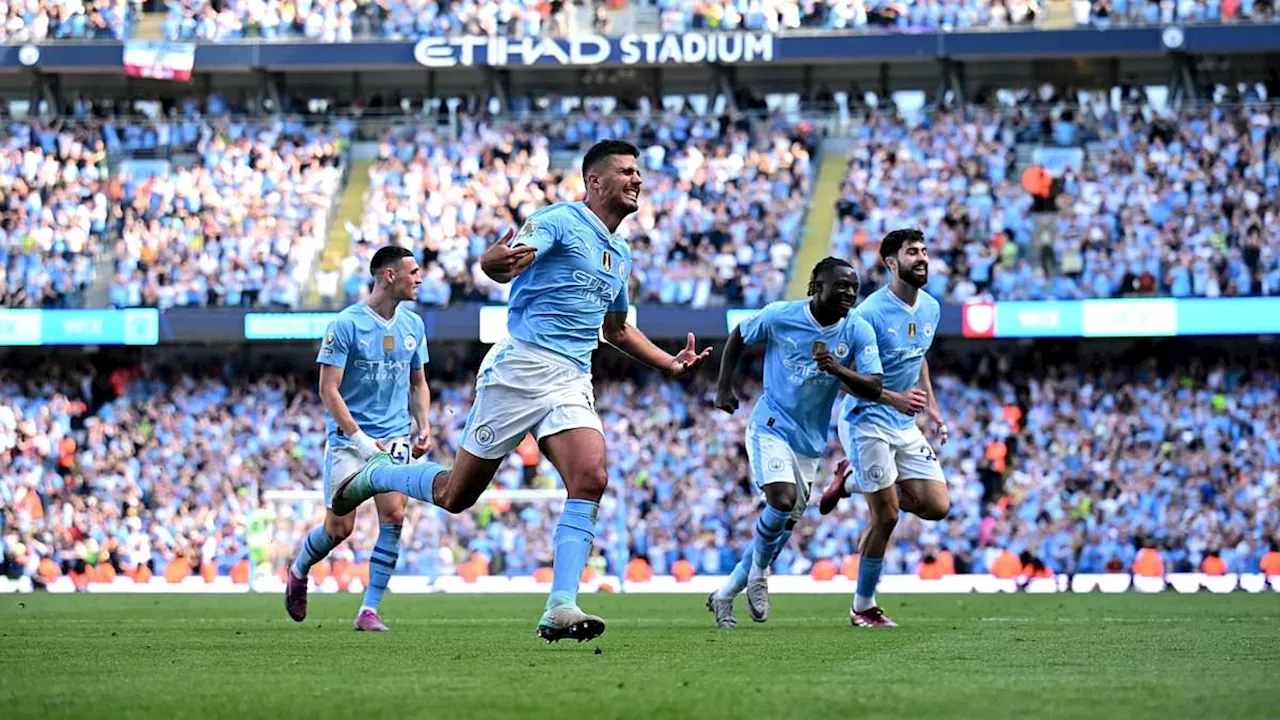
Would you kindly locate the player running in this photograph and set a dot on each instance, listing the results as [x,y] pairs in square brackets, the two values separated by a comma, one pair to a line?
[889,460]
[811,349]
[376,400]
[569,269]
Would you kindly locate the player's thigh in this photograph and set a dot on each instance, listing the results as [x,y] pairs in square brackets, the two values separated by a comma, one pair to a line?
[874,466]
[773,468]
[578,454]
[926,499]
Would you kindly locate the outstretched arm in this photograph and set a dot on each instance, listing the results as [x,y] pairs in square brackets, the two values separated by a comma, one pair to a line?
[726,398]
[628,338]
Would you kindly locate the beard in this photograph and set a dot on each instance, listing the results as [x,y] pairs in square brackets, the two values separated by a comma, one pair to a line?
[908,275]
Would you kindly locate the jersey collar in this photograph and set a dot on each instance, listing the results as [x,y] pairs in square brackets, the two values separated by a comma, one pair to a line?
[901,303]
[384,322]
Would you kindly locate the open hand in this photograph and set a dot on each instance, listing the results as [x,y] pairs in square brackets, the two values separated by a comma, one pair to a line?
[688,359]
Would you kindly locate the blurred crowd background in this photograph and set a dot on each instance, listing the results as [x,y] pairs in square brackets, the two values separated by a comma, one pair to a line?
[1073,182]
[1077,464]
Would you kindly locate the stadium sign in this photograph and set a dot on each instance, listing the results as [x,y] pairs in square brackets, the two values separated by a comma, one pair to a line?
[1122,318]
[633,49]
[657,50]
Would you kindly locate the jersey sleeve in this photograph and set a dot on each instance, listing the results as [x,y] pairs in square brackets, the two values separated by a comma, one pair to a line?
[866,350]
[337,343]
[540,232]
[420,355]
[622,301]
[756,329]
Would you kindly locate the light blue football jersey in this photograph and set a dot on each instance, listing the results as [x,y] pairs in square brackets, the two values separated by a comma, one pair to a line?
[798,397]
[579,273]
[904,335]
[376,356]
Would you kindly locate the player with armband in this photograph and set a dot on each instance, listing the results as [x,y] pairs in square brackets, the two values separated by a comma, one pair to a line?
[374,389]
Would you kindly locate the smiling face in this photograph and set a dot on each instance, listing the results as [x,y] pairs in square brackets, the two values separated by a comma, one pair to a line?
[836,290]
[911,263]
[403,278]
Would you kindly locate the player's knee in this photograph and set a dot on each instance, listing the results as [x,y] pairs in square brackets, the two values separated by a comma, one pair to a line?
[339,528]
[937,509]
[391,516]
[587,483]
[884,523]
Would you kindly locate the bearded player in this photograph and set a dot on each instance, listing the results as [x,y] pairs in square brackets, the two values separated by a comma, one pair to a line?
[569,271]
[889,460]
[375,397]
[813,349]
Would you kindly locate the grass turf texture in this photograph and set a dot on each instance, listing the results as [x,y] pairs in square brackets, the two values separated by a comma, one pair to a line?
[457,657]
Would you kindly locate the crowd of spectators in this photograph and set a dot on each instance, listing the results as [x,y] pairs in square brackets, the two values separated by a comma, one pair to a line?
[679,16]
[1183,204]
[1077,465]
[724,203]
[1118,13]
[239,227]
[55,206]
[35,21]
[346,20]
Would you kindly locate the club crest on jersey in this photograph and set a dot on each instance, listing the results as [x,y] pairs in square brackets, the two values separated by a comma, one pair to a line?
[388,343]
[606,261]
[928,329]
[526,232]
[410,342]
[842,350]
[911,330]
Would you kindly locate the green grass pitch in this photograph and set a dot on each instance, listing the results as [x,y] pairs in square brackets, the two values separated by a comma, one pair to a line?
[457,657]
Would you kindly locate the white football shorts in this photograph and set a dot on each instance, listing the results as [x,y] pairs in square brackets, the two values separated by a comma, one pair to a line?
[343,461]
[773,461]
[881,457]
[522,388]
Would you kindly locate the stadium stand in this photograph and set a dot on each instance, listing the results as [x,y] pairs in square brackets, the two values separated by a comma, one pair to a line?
[55,210]
[789,15]
[1143,203]
[344,21]
[725,203]
[43,20]
[240,225]
[1114,13]
[1078,467]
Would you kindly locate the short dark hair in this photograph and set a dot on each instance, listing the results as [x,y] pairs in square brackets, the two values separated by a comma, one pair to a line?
[387,256]
[606,149]
[825,265]
[896,240]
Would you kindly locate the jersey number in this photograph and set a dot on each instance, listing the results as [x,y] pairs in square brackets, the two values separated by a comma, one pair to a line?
[928,454]
[399,451]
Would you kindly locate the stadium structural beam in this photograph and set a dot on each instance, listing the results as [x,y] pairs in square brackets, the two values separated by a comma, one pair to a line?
[269,89]
[499,84]
[724,80]
[45,89]
[951,79]
[1184,85]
